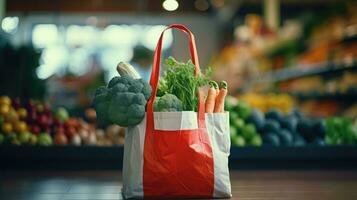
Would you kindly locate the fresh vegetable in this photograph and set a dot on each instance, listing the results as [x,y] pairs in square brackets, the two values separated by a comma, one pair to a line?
[124,100]
[180,80]
[340,130]
[219,104]
[167,103]
[211,97]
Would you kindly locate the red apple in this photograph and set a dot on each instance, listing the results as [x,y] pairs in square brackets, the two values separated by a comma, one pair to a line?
[35,129]
[43,120]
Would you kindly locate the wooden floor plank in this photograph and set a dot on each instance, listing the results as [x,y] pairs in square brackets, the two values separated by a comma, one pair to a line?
[246,185]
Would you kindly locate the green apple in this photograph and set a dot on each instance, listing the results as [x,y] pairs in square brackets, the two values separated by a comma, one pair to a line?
[44,139]
[32,140]
[238,140]
[248,131]
[256,140]
[24,137]
[62,114]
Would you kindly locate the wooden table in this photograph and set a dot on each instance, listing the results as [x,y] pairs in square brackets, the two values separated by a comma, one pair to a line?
[246,185]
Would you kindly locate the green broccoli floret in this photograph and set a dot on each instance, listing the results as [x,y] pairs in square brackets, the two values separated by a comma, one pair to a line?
[101,105]
[167,103]
[123,102]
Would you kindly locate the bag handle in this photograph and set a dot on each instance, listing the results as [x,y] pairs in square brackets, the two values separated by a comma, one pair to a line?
[155,74]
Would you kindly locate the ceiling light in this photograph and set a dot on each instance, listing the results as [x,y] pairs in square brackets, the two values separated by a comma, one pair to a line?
[170,5]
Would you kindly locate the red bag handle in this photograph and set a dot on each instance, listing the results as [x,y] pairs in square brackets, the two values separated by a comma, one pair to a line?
[155,74]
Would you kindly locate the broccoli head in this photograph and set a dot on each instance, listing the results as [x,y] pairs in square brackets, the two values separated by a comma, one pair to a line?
[101,104]
[123,102]
[167,103]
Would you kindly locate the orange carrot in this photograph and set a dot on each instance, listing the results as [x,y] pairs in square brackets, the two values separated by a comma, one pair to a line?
[211,97]
[219,104]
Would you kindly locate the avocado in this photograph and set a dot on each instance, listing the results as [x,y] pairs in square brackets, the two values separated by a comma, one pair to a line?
[274,114]
[257,118]
[285,136]
[271,138]
[289,123]
[271,125]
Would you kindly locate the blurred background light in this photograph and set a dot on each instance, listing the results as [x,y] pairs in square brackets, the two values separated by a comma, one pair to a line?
[44,35]
[149,39]
[80,35]
[52,60]
[10,24]
[170,5]
[117,35]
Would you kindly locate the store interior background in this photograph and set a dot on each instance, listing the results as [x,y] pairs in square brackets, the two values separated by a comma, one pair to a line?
[294,56]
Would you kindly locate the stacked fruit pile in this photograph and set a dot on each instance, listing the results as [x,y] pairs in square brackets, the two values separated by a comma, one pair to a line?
[242,131]
[252,127]
[35,123]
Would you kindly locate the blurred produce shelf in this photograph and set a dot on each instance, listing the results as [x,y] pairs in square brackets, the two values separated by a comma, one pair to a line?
[313,70]
[99,158]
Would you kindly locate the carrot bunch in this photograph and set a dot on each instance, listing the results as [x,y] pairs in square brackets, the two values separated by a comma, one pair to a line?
[216,97]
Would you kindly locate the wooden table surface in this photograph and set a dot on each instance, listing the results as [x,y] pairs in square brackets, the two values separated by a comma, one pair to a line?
[246,185]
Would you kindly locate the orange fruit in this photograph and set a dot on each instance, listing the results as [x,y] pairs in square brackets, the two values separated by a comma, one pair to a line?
[12,116]
[4,109]
[22,113]
[20,126]
[7,127]
[5,100]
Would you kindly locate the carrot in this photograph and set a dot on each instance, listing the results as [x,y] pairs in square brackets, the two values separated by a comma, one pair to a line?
[219,104]
[211,97]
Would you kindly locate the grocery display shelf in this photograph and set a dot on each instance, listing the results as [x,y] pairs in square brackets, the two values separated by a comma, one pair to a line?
[300,72]
[99,158]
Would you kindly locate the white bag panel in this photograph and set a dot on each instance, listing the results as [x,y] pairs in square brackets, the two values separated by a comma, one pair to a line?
[175,120]
[218,129]
[133,161]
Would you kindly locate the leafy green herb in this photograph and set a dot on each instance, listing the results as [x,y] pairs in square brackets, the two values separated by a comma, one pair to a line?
[179,79]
